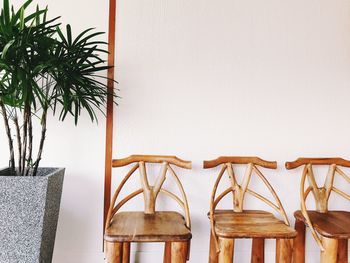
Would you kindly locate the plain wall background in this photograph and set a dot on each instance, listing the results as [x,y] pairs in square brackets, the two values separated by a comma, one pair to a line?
[199,79]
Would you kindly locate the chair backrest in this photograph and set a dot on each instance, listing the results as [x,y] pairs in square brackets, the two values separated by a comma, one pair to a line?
[150,192]
[240,189]
[321,194]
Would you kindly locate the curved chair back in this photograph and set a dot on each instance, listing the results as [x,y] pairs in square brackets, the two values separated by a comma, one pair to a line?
[150,192]
[321,194]
[240,189]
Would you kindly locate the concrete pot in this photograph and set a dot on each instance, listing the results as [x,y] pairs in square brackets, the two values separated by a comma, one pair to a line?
[29,208]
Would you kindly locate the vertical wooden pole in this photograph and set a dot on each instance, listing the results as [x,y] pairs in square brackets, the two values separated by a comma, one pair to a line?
[226,250]
[114,252]
[329,255]
[167,252]
[284,250]
[258,250]
[213,255]
[342,256]
[299,242]
[179,252]
[110,103]
[126,252]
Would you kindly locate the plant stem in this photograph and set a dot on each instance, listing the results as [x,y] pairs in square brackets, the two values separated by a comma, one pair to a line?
[42,140]
[9,137]
[19,141]
[25,138]
[30,145]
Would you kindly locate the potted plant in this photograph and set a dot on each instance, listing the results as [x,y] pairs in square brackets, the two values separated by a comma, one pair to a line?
[44,71]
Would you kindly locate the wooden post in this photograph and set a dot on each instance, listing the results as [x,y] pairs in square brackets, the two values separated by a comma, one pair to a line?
[114,252]
[299,242]
[329,255]
[179,252]
[167,252]
[342,256]
[213,255]
[284,251]
[226,250]
[126,252]
[258,250]
[110,103]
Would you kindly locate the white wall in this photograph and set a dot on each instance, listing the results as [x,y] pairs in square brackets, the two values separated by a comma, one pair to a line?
[201,79]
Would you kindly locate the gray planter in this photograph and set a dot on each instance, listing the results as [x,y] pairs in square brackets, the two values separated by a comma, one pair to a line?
[29,208]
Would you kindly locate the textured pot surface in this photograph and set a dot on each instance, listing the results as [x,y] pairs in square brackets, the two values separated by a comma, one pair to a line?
[29,208]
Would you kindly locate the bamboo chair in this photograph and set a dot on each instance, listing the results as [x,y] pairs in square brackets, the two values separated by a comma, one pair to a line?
[227,225]
[330,229]
[149,225]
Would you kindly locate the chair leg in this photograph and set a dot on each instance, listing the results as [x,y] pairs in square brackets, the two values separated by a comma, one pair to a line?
[213,255]
[167,252]
[329,255]
[226,250]
[299,242]
[179,252]
[114,251]
[126,252]
[342,256]
[188,250]
[258,250]
[284,250]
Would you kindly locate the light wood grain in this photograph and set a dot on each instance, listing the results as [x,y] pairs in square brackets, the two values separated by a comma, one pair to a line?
[344,175]
[275,196]
[150,192]
[304,209]
[258,250]
[213,204]
[239,190]
[111,210]
[126,252]
[141,227]
[167,252]
[114,251]
[152,159]
[239,160]
[109,111]
[184,197]
[299,242]
[333,224]
[150,225]
[250,224]
[322,222]
[226,250]
[213,255]
[240,223]
[341,193]
[284,250]
[342,254]
[317,161]
[329,255]
[179,252]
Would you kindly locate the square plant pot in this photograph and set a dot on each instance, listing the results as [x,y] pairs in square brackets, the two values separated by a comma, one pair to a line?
[29,208]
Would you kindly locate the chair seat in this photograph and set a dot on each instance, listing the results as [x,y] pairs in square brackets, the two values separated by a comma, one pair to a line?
[250,224]
[141,227]
[332,224]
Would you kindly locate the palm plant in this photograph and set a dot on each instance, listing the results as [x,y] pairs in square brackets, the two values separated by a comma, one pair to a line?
[44,69]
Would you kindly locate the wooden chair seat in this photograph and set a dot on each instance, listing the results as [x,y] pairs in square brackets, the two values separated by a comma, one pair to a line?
[331,224]
[162,226]
[250,224]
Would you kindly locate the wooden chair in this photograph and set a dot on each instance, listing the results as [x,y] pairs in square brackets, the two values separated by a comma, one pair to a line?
[227,225]
[330,229]
[149,225]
